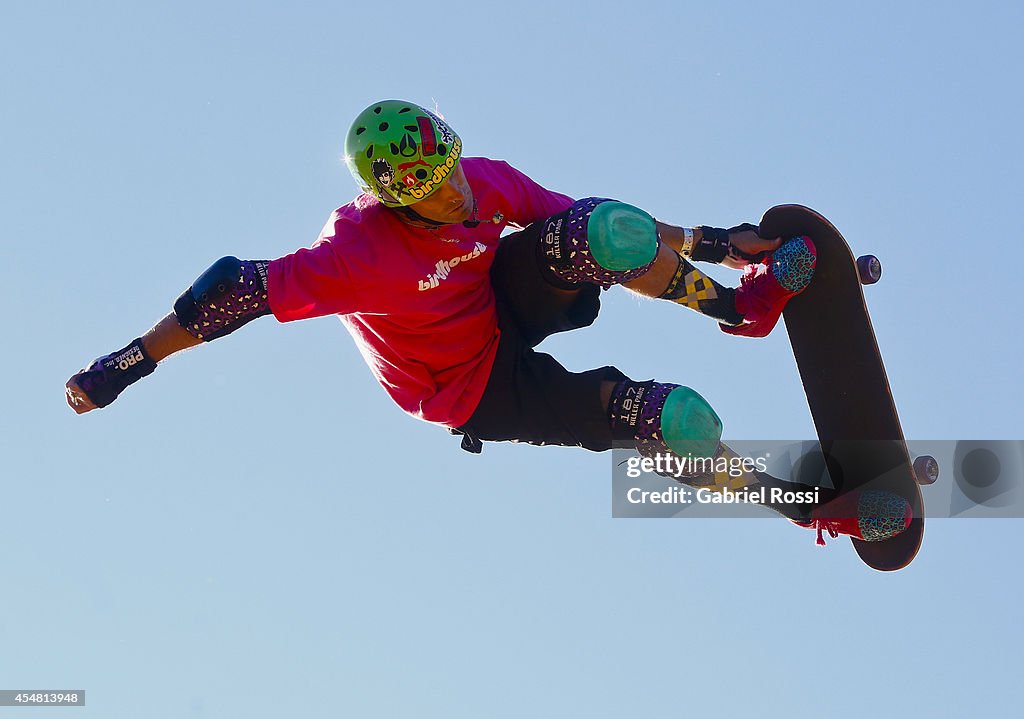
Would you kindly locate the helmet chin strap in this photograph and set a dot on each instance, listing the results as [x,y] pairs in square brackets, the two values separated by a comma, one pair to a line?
[416,218]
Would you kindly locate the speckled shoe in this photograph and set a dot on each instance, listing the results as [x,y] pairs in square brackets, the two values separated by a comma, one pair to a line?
[765,288]
[871,515]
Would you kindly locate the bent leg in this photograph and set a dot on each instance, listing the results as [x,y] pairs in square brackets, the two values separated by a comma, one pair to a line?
[605,242]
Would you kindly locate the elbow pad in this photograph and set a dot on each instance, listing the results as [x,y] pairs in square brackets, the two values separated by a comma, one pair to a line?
[225,297]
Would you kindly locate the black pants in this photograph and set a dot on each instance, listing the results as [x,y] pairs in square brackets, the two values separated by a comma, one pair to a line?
[530,397]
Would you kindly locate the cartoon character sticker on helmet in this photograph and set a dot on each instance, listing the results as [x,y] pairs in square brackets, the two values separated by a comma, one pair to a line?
[384,173]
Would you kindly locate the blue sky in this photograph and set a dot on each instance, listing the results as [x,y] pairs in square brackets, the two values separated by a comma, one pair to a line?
[256,530]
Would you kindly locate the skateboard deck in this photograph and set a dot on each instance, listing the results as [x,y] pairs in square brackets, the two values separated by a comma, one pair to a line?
[845,382]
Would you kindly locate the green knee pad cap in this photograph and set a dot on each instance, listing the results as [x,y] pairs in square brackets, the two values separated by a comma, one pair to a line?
[689,425]
[621,237]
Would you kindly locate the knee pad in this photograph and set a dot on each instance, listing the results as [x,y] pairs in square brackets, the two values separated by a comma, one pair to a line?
[689,426]
[665,418]
[225,297]
[600,241]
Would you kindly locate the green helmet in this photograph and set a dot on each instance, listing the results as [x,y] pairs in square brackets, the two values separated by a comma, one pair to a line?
[400,152]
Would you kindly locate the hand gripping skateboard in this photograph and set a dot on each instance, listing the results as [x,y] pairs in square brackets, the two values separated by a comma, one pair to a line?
[845,382]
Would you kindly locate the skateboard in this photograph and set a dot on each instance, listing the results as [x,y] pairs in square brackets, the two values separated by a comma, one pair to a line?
[845,382]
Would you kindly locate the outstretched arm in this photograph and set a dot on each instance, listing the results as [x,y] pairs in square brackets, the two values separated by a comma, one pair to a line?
[225,297]
[737,246]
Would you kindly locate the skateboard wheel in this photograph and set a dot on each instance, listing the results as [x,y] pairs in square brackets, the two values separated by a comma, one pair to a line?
[870,269]
[926,469]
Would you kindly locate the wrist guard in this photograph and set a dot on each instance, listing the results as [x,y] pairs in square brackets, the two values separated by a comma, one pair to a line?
[713,245]
[109,376]
[737,252]
[225,297]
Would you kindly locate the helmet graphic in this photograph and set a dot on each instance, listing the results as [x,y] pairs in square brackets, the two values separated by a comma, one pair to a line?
[400,152]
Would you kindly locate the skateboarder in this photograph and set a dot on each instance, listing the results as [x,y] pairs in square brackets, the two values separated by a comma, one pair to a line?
[446,312]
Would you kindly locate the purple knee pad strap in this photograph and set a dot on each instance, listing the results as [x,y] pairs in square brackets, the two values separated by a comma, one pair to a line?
[635,415]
